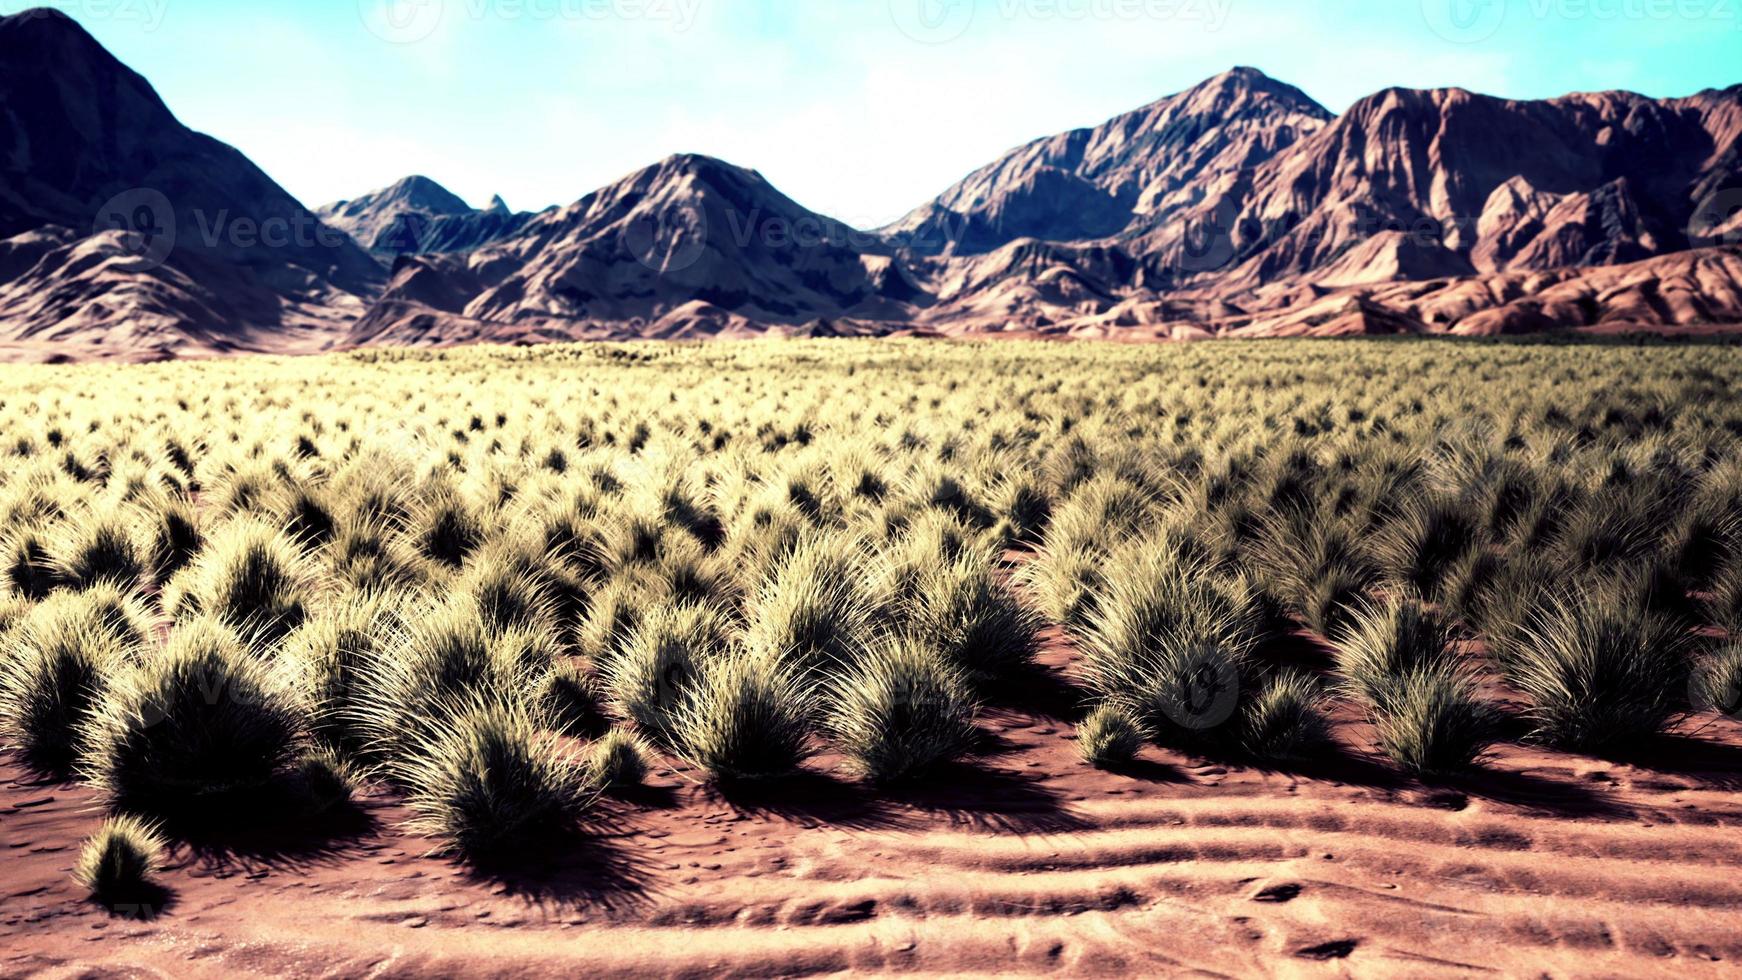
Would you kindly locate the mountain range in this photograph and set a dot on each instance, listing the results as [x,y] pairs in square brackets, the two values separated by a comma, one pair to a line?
[1239,207]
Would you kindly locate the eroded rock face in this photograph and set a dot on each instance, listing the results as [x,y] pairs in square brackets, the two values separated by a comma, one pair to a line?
[1582,180]
[1092,183]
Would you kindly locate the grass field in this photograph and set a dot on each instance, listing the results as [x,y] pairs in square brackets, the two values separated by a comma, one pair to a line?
[501,585]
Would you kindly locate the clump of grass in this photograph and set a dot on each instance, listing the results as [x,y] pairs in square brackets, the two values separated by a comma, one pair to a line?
[26,565]
[612,617]
[1169,642]
[104,608]
[1284,721]
[1718,683]
[509,595]
[1421,546]
[1310,561]
[172,538]
[570,699]
[1473,586]
[571,535]
[687,572]
[249,488]
[1065,583]
[1332,599]
[649,680]
[443,655]
[816,611]
[344,642]
[1022,507]
[1607,531]
[99,549]
[1389,640]
[975,621]
[13,609]
[489,783]
[1181,690]
[204,721]
[900,712]
[448,530]
[1109,738]
[324,780]
[120,863]
[250,576]
[1599,675]
[1726,598]
[745,720]
[1706,537]
[1432,723]
[308,518]
[368,556]
[530,652]
[52,684]
[618,761]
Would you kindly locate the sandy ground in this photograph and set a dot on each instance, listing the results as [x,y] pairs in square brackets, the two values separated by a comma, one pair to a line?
[1022,861]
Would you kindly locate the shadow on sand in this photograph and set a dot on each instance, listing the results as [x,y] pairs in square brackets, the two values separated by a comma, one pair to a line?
[588,868]
[966,794]
[273,831]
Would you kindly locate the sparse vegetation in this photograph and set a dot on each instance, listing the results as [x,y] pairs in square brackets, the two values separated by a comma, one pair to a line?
[901,711]
[745,720]
[618,761]
[489,781]
[1285,721]
[1432,722]
[429,574]
[204,723]
[119,865]
[1108,737]
[1601,675]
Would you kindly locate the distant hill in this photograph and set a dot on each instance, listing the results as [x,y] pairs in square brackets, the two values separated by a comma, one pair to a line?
[1238,207]
[418,216]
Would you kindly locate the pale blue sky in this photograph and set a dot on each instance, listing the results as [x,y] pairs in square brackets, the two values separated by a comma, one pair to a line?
[857,108]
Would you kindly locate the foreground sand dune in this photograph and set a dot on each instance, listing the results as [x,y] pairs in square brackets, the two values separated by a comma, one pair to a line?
[1543,864]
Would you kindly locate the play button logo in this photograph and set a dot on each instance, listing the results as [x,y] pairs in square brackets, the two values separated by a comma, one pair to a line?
[932,21]
[1464,21]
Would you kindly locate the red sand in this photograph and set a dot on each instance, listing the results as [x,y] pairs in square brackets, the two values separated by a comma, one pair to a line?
[1024,860]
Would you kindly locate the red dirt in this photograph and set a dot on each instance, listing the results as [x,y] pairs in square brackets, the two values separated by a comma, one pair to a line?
[1025,860]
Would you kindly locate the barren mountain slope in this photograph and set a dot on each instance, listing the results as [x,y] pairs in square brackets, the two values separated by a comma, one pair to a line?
[691,237]
[1453,178]
[119,226]
[1088,183]
[418,216]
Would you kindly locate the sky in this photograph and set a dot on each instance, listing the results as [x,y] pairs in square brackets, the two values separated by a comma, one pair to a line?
[859,109]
